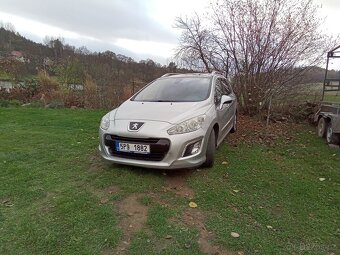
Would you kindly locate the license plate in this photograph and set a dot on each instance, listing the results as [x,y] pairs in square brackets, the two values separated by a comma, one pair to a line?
[133,147]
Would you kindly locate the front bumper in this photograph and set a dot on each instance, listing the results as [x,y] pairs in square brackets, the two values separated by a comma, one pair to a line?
[173,158]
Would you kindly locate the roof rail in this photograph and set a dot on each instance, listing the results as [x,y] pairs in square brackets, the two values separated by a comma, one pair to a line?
[218,72]
[169,74]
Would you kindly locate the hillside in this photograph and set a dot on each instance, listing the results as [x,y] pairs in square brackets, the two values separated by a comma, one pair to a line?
[11,41]
[60,59]
[55,55]
[112,74]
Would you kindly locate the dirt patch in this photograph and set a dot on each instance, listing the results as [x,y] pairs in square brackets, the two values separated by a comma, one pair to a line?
[157,199]
[133,217]
[46,204]
[103,195]
[251,130]
[176,181]
[195,218]
[277,211]
[96,163]
[112,189]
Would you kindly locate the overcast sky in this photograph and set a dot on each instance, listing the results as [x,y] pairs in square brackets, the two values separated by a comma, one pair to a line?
[137,28]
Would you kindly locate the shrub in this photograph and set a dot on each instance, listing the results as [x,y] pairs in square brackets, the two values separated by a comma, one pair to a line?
[50,91]
[35,104]
[14,103]
[4,103]
[74,99]
[46,83]
[9,103]
[90,93]
[55,104]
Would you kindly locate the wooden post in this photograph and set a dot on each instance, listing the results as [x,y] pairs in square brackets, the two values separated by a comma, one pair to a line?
[324,81]
[269,109]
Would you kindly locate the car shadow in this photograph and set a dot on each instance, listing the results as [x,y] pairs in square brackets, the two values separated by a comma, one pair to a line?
[173,173]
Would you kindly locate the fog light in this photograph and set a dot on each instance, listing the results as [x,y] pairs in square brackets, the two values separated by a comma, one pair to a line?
[196,148]
[192,149]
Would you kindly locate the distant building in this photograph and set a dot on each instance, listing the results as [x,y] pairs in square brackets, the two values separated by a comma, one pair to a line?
[19,56]
[76,87]
[6,85]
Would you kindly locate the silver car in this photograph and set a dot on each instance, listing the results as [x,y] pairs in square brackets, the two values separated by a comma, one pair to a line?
[176,121]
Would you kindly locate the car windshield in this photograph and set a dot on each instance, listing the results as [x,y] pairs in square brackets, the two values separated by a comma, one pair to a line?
[176,89]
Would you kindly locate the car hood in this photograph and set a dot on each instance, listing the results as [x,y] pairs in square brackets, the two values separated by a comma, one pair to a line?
[172,113]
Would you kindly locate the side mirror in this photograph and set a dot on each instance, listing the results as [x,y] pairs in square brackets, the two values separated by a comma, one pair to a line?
[226,100]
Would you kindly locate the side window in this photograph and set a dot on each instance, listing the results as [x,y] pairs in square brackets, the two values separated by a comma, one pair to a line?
[226,88]
[218,91]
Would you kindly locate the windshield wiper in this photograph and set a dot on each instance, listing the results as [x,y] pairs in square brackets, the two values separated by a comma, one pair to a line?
[166,101]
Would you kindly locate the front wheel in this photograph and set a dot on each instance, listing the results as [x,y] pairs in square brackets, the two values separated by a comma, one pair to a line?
[332,138]
[210,154]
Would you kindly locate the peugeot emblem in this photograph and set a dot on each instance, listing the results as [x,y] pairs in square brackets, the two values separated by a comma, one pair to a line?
[135,126]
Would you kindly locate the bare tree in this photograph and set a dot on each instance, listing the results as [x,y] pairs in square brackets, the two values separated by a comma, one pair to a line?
[56,44]
[7,26]
[195,43]
[262,44]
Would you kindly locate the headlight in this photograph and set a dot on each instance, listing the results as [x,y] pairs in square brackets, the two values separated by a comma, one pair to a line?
[187,126]
[105,122]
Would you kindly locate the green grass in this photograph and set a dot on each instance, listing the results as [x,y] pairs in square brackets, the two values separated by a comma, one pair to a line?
[160,225]
[52,182]
[5,76]
[329,98]
[277,187]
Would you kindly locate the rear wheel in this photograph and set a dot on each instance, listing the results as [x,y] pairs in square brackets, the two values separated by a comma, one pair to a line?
[210,154]
[330,136]
[322,127]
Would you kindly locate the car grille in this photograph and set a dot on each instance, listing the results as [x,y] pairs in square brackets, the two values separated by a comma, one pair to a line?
[159,147]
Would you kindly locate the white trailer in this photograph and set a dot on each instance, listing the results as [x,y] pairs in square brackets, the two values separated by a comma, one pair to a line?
[328,116]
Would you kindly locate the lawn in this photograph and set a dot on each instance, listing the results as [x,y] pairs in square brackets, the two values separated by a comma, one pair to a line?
[57,196]
[334,98]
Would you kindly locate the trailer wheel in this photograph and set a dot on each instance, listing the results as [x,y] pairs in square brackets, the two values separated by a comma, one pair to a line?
[322,127]
[330,136]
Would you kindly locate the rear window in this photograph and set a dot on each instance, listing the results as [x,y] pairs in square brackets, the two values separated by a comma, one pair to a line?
[176,89]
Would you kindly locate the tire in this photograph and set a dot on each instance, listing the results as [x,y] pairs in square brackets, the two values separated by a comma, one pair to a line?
[234,128]
[322,127]
[211,148]
[332,138]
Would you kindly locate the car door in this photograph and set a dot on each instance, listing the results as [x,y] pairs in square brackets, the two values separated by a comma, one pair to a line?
[221,112]
[225,112]
[230,113]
